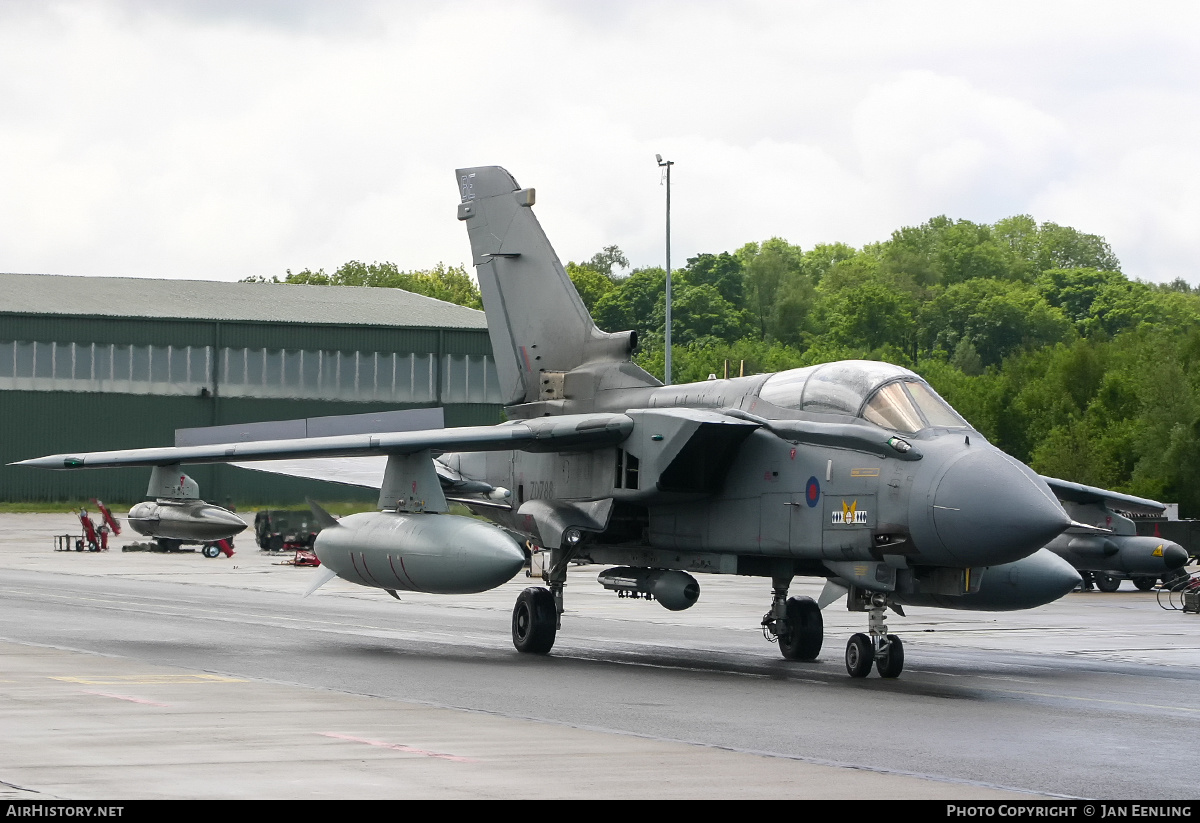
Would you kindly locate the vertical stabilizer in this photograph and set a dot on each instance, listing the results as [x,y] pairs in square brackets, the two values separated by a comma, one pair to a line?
[170,483]
[539,327]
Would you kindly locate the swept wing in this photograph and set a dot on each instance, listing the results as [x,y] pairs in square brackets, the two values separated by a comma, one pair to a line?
[567,432]
[1079,493]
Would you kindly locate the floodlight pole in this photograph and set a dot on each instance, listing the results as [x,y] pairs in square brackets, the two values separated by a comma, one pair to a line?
[667,341]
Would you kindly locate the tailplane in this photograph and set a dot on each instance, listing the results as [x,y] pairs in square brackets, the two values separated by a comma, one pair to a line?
[539,327]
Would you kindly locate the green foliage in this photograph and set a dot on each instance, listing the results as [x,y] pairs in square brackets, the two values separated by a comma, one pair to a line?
[590,283]
[632,306]
[699,312]
[604,260]
[449,283]
[1030,331]
[997,317]
[721,271]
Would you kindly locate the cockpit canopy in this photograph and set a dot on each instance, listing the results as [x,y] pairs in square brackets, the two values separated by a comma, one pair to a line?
[889,396]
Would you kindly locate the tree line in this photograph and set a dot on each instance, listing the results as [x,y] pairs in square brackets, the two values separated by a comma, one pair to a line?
[1031,331]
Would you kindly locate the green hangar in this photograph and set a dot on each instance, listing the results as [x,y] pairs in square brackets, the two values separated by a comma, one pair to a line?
[96,363]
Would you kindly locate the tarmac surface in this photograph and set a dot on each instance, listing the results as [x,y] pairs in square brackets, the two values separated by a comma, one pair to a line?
[145,675]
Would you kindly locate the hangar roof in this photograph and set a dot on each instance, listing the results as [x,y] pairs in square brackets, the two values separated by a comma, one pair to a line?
[132,297]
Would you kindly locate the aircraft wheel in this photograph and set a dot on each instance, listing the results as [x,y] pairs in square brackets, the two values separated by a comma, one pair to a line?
[1107,583]
[211,550]
[860,654]
[806,630]
[891,662]
[534,621]
[1144,583]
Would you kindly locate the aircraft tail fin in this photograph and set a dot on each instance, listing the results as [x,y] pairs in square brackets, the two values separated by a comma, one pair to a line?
[539,326]
[322,577]
[324,519]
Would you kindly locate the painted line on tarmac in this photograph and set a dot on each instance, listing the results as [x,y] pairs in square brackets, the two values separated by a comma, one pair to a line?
[399,747]
[267,619]
[145,679]
[130,699]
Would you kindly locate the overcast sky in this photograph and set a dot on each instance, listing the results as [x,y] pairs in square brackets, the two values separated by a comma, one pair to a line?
[218,139]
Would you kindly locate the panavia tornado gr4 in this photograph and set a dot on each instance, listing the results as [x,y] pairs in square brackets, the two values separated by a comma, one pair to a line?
[855,472]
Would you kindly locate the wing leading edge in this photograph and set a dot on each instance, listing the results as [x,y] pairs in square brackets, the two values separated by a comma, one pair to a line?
[581,432]
[1079,493]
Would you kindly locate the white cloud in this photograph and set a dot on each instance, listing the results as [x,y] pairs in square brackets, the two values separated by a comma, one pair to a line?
[221,140]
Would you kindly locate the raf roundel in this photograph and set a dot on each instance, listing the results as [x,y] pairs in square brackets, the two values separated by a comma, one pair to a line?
[812,492]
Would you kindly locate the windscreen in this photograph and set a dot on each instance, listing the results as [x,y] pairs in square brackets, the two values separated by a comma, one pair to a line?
[909,406]
[936,410]
[892,409]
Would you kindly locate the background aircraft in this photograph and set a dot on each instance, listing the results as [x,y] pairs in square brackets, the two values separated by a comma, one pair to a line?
[1113,550]
[855,472]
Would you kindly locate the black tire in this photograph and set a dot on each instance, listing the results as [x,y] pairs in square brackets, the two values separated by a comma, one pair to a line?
[860,654]
[534,621]
[1144,583]
[78,545]
[805,630]
[1106,582]
[275,543]
[891,662]
[211,550]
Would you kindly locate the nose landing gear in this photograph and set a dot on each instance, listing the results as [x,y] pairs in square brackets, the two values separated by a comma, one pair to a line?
[885,650]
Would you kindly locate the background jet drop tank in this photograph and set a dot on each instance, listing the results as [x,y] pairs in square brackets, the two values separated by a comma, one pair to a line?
[178,513]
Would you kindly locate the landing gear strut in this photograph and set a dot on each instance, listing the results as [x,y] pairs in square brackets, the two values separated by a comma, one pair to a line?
[537,617]
[794,622]
[885,650]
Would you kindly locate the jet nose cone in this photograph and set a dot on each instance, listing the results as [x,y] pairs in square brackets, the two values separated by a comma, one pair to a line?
[988,510]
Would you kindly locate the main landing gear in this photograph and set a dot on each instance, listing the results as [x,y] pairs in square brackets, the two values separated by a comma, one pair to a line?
[795,623]
[537,616]
[885,650]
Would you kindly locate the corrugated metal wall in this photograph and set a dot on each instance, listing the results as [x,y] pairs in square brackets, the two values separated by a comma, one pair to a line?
[35,423]
[139,332]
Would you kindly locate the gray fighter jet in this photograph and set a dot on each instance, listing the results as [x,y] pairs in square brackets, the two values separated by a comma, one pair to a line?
[1104,543]
[854,472]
